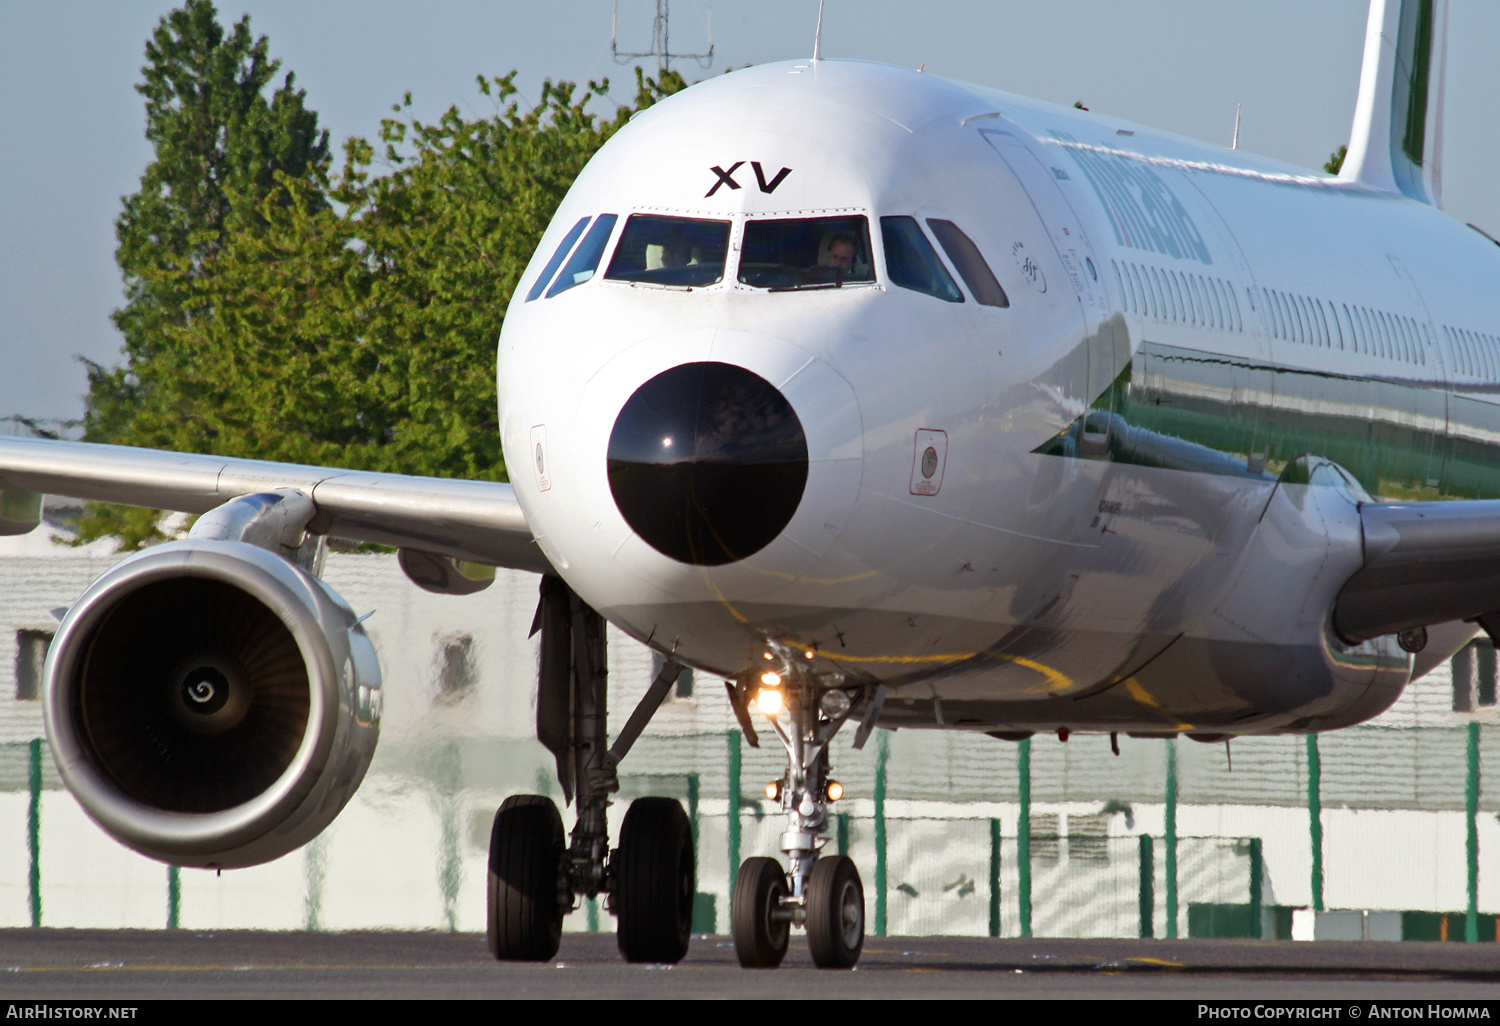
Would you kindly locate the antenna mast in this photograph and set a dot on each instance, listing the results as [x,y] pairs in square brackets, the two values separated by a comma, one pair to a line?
[661,45]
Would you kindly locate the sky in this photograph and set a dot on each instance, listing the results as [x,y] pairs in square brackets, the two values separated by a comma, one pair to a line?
[73,124]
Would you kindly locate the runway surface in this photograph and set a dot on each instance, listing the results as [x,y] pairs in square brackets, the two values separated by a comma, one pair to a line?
[124,965]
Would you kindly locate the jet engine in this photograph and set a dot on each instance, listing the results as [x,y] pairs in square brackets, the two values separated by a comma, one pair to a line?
[210,703]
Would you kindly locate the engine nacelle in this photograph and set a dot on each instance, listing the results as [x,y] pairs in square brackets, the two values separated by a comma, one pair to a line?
[210,704]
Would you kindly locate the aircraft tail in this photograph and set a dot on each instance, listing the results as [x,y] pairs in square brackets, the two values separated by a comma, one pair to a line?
[1396,143]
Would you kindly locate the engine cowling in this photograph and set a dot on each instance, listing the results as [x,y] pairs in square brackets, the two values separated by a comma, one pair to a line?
[211,704]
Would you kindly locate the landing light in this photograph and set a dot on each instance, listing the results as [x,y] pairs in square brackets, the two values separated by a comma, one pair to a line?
[773,790]
[768,701]
[834,790]
[771,679]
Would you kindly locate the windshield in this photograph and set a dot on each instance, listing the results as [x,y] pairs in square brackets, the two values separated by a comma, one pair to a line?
[806,253]
[680,251]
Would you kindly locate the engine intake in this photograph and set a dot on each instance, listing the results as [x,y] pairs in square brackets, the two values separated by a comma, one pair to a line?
[211,704]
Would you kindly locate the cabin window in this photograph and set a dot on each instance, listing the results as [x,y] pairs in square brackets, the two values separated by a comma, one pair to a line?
[912,263]
[1460,354]
[1179,308]
[585,259]
[971,264]
[1148,306]
[806,253]
[1218,304]
[1160,293]
[682,251]
[1201,300]
[1125,297]
[1323,324]
[1239,324]
[558,256]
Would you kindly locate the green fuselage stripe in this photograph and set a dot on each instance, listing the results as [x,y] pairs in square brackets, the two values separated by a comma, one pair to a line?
[1189,410]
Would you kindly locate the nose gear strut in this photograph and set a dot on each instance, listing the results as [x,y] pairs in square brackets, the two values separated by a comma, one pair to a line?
[823,894]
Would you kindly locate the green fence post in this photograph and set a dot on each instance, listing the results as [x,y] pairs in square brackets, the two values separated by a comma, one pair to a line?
[34,828]
[882,755]
[1023,835]
[734,809]
[1257,873]
[174,896]
[1169,842]
[843,833]
[1148,888]
[1315,818]
[1471,810]
[692,788]
[994,878]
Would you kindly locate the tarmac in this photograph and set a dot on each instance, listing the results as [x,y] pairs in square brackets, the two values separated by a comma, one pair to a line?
[130,965]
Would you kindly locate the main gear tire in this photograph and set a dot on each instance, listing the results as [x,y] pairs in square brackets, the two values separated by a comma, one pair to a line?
[526,892]
[655,875]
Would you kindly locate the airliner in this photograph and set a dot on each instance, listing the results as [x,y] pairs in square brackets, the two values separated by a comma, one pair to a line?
[894,402]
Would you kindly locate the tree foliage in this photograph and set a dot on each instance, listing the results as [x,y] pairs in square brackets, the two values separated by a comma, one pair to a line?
[349,318]
[1335,160]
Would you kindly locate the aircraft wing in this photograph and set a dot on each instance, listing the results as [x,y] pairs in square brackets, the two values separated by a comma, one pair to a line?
[479,521]
[1425,563]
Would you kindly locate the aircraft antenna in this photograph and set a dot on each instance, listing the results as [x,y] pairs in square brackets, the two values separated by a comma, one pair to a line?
[1235,143]
[818,35]
[661,42]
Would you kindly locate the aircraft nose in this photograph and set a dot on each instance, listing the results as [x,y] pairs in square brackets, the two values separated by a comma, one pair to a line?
[707,463]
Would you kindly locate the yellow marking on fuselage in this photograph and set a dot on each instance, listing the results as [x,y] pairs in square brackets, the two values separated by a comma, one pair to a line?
[1141,695]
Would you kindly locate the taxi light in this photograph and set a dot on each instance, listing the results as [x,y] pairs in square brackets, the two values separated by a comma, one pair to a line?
[773,790]
[771,680]
[835,703]
[834,790]
[768,701]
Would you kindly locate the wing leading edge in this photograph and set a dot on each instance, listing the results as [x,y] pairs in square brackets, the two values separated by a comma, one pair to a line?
[478,521]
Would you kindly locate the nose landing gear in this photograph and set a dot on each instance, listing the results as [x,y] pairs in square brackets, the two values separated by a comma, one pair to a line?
[823,894]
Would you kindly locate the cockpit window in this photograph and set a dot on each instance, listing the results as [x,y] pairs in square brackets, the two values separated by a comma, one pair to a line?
[585,259]
[970,263]
[806,253]
[912,263]
[660,250]
[563,249]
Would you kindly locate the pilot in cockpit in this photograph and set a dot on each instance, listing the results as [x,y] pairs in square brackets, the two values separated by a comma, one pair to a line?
[676,251]
[838,253]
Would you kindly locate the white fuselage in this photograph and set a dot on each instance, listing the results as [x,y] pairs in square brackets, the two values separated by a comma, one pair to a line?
[1140,574]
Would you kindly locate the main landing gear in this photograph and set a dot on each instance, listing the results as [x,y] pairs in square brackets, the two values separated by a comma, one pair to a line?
[535,876]
[821,893]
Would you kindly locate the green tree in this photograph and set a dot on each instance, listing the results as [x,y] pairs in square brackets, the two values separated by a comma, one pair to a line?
[1336,160]
[362,333]
[221,145]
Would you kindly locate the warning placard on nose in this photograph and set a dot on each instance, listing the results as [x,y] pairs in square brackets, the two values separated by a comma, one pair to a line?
[929,457]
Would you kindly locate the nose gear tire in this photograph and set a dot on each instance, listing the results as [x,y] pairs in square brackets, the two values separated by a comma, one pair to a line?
[525,908]
[655,881]
[835,913]
[760,936]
